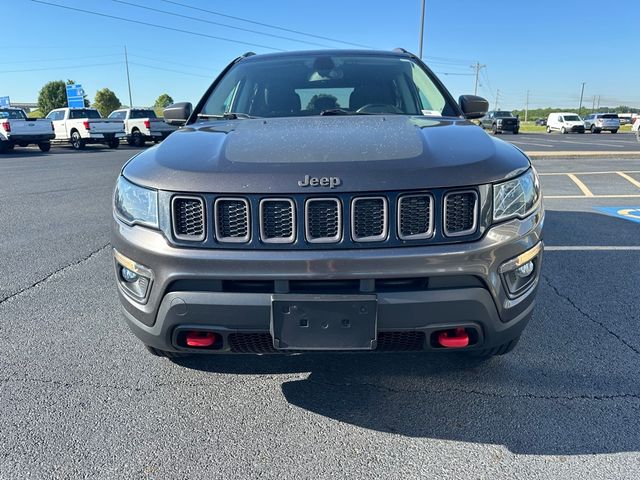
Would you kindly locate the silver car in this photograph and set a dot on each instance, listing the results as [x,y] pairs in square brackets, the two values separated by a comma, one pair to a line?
[597,122]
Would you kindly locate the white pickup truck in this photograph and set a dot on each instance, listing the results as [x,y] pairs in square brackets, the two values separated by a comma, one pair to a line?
[142,124]
[81,126]
[17,129]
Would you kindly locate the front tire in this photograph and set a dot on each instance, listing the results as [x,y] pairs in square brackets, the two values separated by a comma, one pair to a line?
[77,142]
[548,129]
[563,130]
[44,146]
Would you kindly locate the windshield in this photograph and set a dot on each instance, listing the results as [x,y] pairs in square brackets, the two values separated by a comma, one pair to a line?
[312,84]
[503,114]
[572,118]
[84,113]
[12,114]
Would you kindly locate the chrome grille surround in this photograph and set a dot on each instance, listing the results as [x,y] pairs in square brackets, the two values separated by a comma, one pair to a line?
[314,218]
[232,220]
[413,220]
[366,224]
[277,214]
[188,218]
[460,212]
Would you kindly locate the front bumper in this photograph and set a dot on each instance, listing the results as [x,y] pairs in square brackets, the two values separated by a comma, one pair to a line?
[204,288]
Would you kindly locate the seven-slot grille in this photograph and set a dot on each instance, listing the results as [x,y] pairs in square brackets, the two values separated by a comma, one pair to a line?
[188,218]
[415,216]
[320,219]
[460,215]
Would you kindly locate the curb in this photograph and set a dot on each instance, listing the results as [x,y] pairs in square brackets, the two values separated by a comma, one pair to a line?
[581,154]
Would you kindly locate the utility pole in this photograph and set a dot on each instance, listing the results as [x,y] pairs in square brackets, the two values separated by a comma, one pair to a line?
[581,95]
[477,67]
[593,105]
[421,28]
[126,62]
[526,108]
[497,99]
[598,106]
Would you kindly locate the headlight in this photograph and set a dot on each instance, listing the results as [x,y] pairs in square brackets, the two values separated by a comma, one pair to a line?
[517,197]
[134,204]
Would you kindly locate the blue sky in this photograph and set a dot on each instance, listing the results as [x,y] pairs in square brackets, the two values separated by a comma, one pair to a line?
[546,47]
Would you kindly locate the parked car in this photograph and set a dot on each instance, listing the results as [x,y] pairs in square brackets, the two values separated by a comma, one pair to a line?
[272,224]
[82,126]
[597,122]
[500,121]
[541,122]
[141,125]
[17,129]
[636,128]
[565,122]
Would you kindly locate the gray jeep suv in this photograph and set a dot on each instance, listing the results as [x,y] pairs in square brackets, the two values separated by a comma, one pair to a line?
[323,201]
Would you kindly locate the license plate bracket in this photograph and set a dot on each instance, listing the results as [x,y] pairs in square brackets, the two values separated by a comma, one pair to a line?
[324,322]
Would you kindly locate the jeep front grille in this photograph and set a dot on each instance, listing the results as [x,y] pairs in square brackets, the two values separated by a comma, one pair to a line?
[415,216]
[232,220]
[188,218]
[369,219]
[323,220]
[277,220]
[460,212]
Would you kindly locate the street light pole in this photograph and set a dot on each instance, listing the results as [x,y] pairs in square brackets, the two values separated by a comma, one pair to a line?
[581,96]
[421,28]
[126,62]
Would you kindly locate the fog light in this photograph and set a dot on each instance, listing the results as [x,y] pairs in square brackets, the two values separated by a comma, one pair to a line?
[135,279]
[128,276]
[525,270]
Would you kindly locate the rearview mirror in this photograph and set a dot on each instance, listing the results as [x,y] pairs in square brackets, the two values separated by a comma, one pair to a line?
[178,113]
[473,106]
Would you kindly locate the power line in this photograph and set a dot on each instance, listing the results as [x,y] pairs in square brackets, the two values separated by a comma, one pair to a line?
[59,59]
[298,32]
[164,60]
[220,24]
[188,32]
[170,70]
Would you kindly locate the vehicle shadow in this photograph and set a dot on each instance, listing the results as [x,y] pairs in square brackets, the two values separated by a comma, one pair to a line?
[571,387]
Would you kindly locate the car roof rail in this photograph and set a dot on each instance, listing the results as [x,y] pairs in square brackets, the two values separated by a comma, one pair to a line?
[405,51]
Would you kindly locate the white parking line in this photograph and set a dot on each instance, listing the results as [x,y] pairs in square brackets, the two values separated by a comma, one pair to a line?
[531,143]
[591,197]
[591,143]
[630,179]
[591,248]
[588,173]
[583,188]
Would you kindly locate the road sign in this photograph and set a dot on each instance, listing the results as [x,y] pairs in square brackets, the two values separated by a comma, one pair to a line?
[75,96]
[628,213]
[5,102]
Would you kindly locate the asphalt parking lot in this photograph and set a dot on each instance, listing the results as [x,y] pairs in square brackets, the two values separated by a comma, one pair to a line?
[81,398]
[554,143]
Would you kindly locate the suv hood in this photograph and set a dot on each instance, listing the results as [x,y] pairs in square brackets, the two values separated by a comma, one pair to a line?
[366,153]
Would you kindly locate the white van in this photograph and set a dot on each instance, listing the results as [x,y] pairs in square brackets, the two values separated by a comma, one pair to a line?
[565,122]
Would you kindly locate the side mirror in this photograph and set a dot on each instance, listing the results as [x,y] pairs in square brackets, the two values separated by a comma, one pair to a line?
[178,113]
[473,106]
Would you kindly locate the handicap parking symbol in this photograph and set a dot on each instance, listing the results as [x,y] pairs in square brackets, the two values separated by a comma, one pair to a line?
[626,213]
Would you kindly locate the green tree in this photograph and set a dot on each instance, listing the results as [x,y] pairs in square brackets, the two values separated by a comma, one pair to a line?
[163,101]
[106,102]
[52,95]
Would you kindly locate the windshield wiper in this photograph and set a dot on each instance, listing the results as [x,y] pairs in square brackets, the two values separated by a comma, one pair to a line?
[227,116]
[340,111]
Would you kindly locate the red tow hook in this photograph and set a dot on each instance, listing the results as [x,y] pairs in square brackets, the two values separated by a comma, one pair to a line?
[200,339]
[458,339]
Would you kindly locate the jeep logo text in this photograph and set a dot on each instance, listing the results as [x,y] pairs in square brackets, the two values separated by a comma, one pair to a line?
[331,182]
